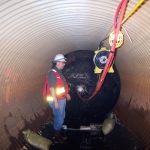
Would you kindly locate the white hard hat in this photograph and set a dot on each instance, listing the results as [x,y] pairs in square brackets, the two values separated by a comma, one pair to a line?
[59,57]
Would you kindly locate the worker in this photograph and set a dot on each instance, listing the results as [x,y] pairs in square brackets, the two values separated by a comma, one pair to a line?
[59,93]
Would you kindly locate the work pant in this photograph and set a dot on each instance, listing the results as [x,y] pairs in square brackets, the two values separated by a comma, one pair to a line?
[59,114]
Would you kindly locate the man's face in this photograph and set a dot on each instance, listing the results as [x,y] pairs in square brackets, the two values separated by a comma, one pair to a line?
[60,64]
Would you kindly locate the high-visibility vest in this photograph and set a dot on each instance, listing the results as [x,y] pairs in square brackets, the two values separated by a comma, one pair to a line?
[61,90]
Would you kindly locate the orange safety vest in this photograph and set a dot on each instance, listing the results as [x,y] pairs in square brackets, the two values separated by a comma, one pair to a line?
[61,91]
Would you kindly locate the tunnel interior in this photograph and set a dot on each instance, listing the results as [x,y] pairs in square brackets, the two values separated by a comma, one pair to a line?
[33,32]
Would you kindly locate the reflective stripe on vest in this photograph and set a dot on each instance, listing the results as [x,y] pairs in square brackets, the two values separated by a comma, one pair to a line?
[61,93]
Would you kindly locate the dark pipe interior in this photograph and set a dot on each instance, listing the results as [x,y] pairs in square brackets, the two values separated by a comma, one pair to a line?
[80,71]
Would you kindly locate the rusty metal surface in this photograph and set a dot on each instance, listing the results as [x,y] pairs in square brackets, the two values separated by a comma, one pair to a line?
[134,113]
[21,109]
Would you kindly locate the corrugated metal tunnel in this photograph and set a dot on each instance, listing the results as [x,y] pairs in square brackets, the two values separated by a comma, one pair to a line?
[33,32]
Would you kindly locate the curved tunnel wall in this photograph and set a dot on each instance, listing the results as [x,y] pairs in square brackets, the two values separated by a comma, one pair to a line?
[32,32]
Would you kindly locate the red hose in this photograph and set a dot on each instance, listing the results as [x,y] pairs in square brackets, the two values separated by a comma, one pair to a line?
[120,10]
[116,14]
